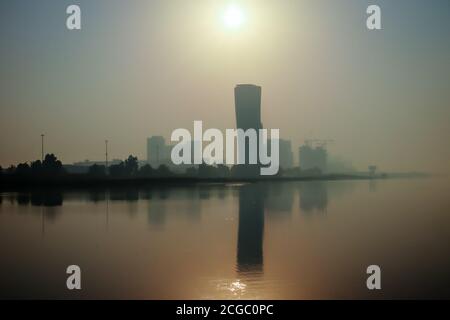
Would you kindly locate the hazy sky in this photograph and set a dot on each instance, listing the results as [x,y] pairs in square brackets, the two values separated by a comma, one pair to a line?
[142,68]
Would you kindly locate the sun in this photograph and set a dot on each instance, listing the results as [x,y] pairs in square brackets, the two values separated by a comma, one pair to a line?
[233,17]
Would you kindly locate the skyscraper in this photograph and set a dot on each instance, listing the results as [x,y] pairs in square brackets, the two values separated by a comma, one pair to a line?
[156,151]
[247,99]
[286,155]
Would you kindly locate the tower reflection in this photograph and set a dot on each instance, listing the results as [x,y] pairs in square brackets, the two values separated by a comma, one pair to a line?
[251,229]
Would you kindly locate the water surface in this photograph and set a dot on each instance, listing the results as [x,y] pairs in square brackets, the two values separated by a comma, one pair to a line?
[285,240]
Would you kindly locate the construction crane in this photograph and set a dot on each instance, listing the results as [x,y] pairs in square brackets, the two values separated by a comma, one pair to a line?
[322,143]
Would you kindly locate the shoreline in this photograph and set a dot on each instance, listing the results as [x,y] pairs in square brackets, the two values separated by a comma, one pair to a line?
[84,182]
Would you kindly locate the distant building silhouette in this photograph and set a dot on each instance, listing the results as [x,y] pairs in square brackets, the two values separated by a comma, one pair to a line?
[286,155]
[158,153]
[285,152]
[88,163]
[82,167]
[248,116]
[313,157]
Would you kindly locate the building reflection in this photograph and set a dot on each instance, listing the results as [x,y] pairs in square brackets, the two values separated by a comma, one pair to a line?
[279,200]
[163,204]
[157,206]
[166,201]
[372,185]
[124,194]
[46,198]
[50,202]
[313,196]
[251,229]
[97,195]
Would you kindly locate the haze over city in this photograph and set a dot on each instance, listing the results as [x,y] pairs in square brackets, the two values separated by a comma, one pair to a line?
[226,157]
[144,68]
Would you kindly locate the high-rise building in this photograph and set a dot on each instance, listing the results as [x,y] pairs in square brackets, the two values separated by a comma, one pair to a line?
[285,153]
[311,157]
[156,151]
[247,99]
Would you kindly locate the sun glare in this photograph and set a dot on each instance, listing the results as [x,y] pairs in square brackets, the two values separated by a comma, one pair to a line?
[233,17]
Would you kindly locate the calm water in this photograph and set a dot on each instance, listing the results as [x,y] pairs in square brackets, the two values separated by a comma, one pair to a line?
[296,240]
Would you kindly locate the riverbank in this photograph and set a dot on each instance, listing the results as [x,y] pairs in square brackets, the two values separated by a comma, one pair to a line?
[85,181]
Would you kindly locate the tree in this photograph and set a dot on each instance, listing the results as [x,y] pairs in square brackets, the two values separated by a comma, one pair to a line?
[163,171]
[281,172]
[97,170]
[146,171]
[51,165]
[234,172]
[36,167]
[208,171]
[117,170]
[131,165]
[223,171]
[191,172]
[23,169]
[11,169]
[205,171]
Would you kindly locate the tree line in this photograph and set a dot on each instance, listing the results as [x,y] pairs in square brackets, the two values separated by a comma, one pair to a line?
[51,167]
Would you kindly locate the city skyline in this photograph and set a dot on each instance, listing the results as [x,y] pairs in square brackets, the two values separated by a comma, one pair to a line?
[145,69]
